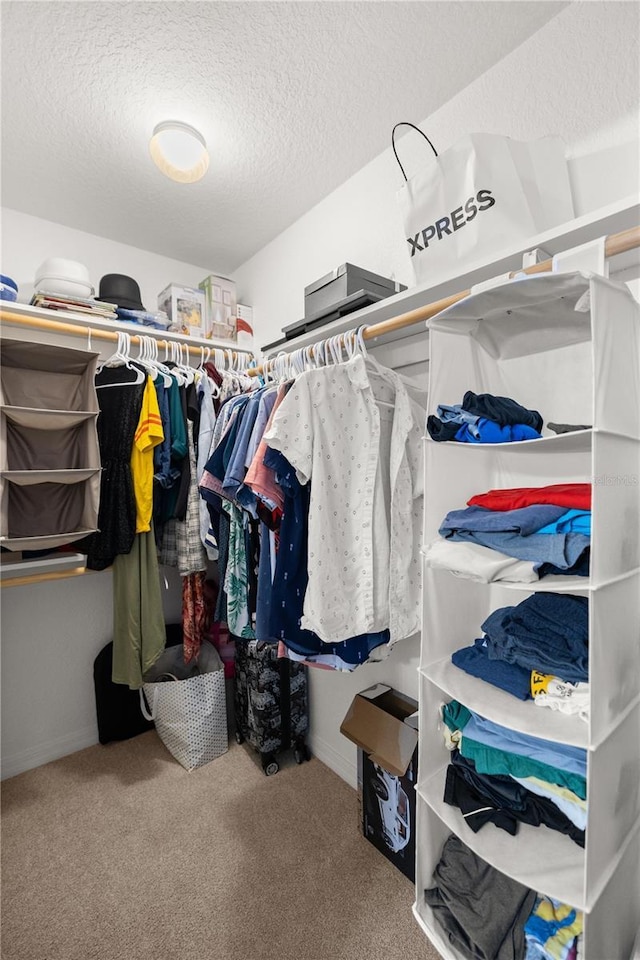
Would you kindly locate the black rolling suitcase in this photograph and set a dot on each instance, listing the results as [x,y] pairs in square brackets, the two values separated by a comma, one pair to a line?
[270,702]
[117,707]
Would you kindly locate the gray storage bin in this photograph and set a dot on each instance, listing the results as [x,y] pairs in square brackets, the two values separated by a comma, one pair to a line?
[48,377]
[43,446]
[321,296]
[60,502]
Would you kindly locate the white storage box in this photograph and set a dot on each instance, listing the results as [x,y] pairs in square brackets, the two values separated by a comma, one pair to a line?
[185,306]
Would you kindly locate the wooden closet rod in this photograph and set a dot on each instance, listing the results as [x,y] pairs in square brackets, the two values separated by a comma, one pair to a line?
[97,333]
[614,244]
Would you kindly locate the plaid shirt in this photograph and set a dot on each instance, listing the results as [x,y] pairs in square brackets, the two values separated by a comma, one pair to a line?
[181,543]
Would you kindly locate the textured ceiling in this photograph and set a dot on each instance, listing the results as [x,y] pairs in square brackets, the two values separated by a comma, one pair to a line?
[292,98]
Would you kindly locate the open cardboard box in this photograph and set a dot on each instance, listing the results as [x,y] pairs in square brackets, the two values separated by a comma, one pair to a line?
[383,723]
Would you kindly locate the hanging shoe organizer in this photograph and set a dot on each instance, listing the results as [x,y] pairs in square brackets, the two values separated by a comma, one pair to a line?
[49,454]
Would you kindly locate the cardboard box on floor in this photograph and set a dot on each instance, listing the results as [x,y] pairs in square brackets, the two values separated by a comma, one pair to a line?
[383,723]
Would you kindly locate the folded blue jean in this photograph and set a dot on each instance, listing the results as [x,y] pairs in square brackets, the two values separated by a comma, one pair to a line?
[454,413]
[515,533]
[579,569]
[548,632]
[510,677]
[523,520]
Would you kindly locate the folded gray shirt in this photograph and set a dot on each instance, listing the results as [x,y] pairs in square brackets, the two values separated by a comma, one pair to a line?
[482,911]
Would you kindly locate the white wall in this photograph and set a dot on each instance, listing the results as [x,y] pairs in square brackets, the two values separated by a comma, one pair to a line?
[27,241]
[578,78]
[51,634]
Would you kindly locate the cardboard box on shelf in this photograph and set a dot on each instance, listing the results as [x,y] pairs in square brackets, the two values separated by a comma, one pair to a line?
[220,307]
[185,306]
[383,723]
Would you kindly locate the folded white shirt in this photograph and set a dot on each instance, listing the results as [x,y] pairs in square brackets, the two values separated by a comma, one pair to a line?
[576,813]
[569,698]
[471,561]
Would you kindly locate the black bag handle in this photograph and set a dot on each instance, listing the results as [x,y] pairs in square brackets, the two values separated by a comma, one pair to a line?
[405,123]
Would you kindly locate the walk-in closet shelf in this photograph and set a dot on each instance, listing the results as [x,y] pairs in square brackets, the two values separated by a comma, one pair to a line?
[49,456]
[34,321]
[567,345]
[618,221]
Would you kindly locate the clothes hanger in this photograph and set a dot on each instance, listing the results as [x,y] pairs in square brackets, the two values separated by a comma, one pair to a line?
[319,353]
[293,365]
[371,370]
[350,343]
[284,366]
[360,338]
[248,361]
[213,386]
[189,372]
[152,354]
[117,358]
[298,362]
[309,358]
[143,358]
[175,370]
[335,347]
[121,358]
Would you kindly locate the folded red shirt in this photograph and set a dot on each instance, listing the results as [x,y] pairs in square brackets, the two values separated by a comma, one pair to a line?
[570,495]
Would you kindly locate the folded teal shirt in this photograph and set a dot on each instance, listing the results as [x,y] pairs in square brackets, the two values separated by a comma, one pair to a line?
[499,750]
[492,760]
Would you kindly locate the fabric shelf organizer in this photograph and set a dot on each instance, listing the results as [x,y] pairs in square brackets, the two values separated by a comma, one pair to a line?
[568,346]
[49,455]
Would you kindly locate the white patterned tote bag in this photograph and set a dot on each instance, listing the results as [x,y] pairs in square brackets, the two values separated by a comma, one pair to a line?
[188,705]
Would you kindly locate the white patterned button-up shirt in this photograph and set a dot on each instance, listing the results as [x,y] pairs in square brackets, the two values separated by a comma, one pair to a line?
[365,516]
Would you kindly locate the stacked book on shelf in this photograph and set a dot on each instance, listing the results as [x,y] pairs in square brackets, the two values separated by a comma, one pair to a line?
[54,301]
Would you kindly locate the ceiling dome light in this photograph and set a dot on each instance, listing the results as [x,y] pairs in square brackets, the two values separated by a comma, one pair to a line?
[179,151]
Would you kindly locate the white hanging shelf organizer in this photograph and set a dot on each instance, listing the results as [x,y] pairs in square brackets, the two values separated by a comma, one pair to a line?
[567,345]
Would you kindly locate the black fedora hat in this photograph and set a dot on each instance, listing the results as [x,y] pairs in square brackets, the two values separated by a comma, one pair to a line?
[121,290]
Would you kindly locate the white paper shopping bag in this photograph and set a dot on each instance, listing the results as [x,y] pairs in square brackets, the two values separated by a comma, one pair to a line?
[479,198]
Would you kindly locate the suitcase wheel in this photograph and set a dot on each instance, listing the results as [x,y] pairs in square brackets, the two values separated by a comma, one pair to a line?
[270,766]
[239,737]
[301,752]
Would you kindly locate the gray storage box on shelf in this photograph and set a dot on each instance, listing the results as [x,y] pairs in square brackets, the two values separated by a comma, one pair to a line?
[322,295]
[49,453]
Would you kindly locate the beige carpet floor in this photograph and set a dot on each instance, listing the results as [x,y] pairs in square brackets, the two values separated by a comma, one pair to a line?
[116,853]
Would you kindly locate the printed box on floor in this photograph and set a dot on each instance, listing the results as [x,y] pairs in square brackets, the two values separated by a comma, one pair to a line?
[220,307]
[185,306]
[383,723]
